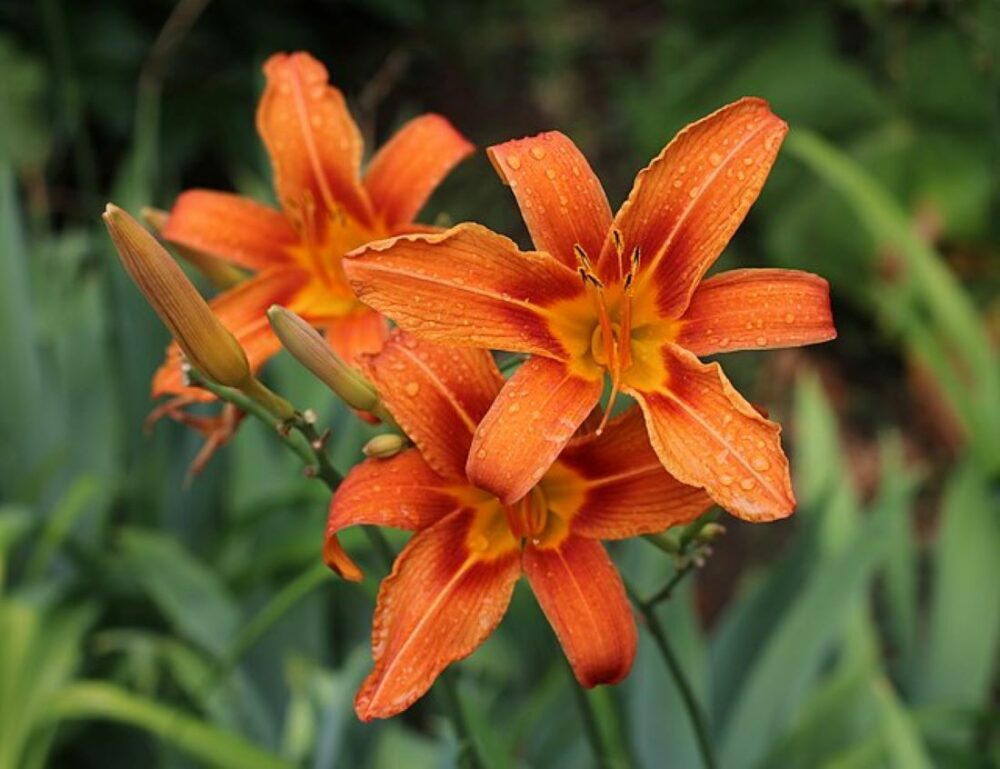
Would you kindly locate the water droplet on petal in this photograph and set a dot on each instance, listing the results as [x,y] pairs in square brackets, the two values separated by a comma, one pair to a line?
[747,483]
[514,162]
[537,153]
[412,388]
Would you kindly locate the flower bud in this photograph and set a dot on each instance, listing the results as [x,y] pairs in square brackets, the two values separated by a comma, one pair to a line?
[208,345]
[221,274]
[309,348]
[384,446]
[710,532]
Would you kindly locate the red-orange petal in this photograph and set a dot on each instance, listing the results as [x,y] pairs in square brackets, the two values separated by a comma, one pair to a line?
[402,492]
[619,487]
[314,143]
[467,286]
[356,335]
[437,395]
[410,166]
[561,199]
[231,227]
[442,600]
[533,418]
[755,310]
[581,593]
[707,435]
[242,309]
[686,204]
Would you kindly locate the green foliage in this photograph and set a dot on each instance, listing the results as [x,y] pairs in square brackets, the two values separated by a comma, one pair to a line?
[145,623]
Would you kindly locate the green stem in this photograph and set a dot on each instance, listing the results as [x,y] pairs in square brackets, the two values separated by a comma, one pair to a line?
[312,453]
[694,711]
[667,590]
[591,728]
[468,753]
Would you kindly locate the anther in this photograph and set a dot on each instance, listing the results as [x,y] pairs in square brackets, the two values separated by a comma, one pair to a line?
[616,237]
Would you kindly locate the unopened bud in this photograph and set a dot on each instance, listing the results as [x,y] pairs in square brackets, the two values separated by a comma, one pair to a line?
[208,345]
[384,446]
[710,532]
[221,274]
[309,348]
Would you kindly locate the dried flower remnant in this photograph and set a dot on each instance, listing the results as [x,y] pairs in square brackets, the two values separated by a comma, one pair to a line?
[620,298]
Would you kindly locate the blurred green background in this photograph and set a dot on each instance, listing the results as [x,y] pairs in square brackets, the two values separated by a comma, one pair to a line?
[147,624]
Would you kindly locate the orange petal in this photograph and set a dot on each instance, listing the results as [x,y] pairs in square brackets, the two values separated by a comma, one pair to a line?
[442,600]
[617,487]
[409,167]
[579,590]
[687,203]
[757,309]
[707,435]
[437,395]
[467,286]
[243,311]
[230,227]
[561,199]
[402,492]
[530,422]
[358,334]
[313,141]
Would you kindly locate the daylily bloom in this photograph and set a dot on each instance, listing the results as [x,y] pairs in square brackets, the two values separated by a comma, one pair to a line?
[451,584]
[327,208]
[623,297]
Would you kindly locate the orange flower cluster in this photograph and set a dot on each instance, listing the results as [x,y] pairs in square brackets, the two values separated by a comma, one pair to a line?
[526,475]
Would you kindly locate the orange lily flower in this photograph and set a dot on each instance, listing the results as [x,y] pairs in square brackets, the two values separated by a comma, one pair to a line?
[451,584]
[327,208]
[622,296]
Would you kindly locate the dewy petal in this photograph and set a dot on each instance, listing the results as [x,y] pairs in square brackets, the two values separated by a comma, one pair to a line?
[757,309]
[402,492]
[230,227]
[686,205]
[355,335]
[409,167]
[313,141]
[561,199]
[242,309]
[437,395]
[533,418]
[707,435]
[613,486]
[467,286]
[446,594]
[579,590]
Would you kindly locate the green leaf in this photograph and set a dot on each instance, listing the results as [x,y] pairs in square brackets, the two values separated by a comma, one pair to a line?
[964,630]
[185,590]
[927,287]
[210,745]
[794,651]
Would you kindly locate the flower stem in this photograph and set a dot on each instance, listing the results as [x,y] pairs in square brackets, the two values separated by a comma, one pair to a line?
[468,754]
[310,446]
[589,718]
[694,711]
